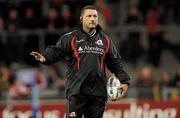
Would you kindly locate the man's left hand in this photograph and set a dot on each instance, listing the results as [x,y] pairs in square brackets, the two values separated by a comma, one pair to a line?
[124,88]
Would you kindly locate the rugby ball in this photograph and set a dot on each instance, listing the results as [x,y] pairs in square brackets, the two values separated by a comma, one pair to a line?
[113,88]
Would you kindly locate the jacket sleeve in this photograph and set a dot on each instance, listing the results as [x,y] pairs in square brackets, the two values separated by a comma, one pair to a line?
[114,64]
[56,52]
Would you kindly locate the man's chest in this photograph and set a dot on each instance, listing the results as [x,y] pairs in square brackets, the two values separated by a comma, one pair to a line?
[95,45]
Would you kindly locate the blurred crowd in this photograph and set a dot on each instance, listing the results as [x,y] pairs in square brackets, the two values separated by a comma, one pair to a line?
[14,85]
[55,17]
[146,83]
[153,87]
[23,21]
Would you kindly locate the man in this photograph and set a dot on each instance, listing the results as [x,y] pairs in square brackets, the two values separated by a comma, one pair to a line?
[87,50]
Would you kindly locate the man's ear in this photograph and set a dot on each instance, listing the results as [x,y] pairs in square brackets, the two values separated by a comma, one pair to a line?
[81,18]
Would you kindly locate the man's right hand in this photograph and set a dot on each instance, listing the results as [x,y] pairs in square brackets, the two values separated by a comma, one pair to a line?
[38,56]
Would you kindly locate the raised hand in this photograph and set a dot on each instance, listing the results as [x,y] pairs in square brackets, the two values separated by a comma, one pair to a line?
[38,56]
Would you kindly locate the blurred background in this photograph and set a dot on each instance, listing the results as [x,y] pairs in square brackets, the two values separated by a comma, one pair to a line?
[146,33]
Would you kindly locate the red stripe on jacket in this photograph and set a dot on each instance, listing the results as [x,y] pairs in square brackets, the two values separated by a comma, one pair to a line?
[75,52]
[106,50]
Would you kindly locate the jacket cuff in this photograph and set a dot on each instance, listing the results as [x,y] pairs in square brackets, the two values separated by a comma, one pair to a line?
[125,81]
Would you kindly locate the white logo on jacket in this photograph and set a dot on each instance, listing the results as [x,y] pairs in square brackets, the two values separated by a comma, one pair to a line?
[99,42]
[80,49]
[89,49]
[72,114]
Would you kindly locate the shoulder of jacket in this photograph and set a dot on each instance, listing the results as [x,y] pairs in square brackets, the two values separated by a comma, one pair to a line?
[68,35]
[103,35]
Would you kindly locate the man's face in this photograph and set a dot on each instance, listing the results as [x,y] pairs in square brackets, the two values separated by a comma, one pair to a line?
[90,18]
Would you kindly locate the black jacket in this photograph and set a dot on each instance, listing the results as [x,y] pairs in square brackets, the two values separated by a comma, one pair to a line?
[86,57]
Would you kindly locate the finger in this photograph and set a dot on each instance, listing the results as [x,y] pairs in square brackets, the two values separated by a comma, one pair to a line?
[123,86]
[35,53]
[37,58]
[31,53]
[42,60]
[123,93]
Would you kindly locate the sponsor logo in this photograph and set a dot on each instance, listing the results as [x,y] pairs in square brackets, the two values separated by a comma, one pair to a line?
[80,49]
[99,42]
[89,49]
[144,111]
[72,114]
[129,110]
[8,113]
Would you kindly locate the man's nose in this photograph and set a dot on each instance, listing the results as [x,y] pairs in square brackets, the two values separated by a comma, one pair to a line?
[92,18]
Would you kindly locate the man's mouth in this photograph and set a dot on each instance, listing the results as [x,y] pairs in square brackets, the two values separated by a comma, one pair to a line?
[92,23]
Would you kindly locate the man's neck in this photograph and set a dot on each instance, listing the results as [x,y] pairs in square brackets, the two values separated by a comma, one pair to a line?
[89,31]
